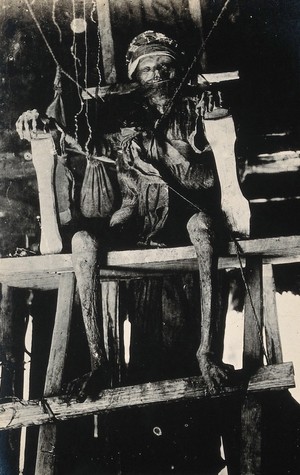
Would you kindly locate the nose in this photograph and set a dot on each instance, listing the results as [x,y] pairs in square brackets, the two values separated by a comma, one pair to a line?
[157,74]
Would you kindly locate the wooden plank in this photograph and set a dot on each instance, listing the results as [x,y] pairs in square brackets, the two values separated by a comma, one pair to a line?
[251,422]
[197,17]
[253,352]
[251,443]
[45,462]
[31,281]
[43,159]
[273,341]
[222,137]
[9,356]
[280,246]
[110,312]
[107,42]
[17,414]
[20,271]
[110,90]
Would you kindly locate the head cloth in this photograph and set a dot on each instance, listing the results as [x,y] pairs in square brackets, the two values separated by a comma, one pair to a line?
[146,44]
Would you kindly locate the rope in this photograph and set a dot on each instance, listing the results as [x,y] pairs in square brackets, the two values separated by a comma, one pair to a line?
[86,112]
[52,54]
[54,20]
[76,59]
[256,319]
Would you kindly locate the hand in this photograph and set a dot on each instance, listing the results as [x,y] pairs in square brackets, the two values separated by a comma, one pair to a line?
[211,105]
[26,124]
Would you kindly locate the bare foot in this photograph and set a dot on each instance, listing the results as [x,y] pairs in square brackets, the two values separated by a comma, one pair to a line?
[89,385]
[215,375]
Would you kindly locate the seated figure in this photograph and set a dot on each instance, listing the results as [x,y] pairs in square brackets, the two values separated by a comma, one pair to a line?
[168,180]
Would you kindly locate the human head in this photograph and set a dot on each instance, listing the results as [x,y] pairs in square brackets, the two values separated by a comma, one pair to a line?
[151,49]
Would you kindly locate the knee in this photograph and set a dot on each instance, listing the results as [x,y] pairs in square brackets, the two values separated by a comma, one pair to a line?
[83,242]
[199,226]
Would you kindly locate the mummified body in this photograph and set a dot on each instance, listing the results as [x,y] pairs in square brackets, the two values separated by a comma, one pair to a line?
[168,179]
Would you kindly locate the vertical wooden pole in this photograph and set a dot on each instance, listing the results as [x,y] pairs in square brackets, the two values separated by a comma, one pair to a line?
[9,440]
[251,444]
[196,13]
[273,342]
[107,42]
[45,462]
[111,332]
[253,352]
[43,159]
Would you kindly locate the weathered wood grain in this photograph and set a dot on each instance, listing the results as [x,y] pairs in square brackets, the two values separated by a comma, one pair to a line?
[45,461]
[44,164]
[41,271]
[251,440]
[107,42]
[24,413]
[251,436]
[273,342]
[253,351]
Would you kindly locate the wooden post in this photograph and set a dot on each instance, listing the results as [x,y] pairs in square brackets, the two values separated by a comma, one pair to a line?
[111,331]
[251,444]
[107,42]
[273,341]
[9,443]
[195,9]
[221,137]
[44,164]
[45,463]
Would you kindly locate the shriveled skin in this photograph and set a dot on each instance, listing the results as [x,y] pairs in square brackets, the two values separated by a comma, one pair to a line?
[215,373]
[85,251]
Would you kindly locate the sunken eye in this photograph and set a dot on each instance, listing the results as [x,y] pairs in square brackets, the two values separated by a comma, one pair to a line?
[146,69]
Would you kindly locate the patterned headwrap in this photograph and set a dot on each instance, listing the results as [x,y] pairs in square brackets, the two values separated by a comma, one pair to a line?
[148,43]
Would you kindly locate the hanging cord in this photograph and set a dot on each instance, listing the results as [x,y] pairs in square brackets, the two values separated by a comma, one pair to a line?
[86,111]
[191,66]
[52,54]
[76,60]
[256,319]
[54,20]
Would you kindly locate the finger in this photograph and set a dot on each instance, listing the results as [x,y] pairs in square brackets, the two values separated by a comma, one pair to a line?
[220,99]
[210,102]
[26,133]
[19,126]
[35,116]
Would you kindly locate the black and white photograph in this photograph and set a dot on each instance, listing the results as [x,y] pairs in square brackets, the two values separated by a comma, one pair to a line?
[149,237]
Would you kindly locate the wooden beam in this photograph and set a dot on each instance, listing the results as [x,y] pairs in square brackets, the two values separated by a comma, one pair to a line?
[17,414]
[251,421]
[197,17]
[42,271]
[107,42]
[273,341]
[110,90]
[45,461]
[276,246]
[251,416]
[253,315]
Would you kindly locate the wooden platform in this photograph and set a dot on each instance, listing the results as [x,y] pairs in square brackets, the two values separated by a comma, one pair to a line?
[15,414]
[56,271]
[43,271]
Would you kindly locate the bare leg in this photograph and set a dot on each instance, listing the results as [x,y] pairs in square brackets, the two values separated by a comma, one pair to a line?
[202,237]
[85,262]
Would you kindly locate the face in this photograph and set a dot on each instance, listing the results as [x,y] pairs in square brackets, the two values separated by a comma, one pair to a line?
[155,68]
